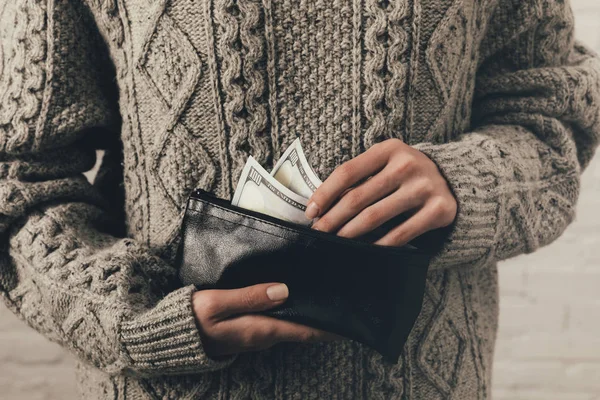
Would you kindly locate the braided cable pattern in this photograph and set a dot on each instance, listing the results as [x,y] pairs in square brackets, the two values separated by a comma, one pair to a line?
[387,44]
[241,48]
[24,59]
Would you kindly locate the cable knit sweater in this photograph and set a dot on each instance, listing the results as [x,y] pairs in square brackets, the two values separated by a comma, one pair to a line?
[180,92]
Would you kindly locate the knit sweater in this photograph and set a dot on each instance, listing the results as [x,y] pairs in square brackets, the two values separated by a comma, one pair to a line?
[180,92]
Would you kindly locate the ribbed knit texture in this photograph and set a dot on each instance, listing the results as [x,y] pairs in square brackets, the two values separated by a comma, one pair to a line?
[179,93]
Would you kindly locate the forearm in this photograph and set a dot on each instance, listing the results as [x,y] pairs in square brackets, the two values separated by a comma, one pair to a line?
[535,126]
[510,201]
[102,297]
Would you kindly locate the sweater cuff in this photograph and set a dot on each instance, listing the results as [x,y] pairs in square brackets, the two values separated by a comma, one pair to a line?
[166,340]
[472,174]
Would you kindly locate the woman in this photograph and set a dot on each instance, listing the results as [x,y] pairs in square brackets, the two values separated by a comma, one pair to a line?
[475,115]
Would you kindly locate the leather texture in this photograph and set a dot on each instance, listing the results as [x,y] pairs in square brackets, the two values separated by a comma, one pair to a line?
[368,293]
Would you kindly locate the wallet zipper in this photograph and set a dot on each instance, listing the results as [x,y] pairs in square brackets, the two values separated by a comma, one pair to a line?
[203,195]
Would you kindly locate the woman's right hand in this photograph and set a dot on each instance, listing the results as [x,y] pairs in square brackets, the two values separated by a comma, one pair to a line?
[229,324]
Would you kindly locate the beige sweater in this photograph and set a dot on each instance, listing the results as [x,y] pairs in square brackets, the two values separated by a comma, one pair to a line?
[180,92]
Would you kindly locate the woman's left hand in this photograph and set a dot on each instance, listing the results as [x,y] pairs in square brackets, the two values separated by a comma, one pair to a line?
[401,180]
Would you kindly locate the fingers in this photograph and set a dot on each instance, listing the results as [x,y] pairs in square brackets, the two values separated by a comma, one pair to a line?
[356,200]
[292,332]
[348,174]
[434,214]
[225,303]
[228,323]
[377,214]
[256,332]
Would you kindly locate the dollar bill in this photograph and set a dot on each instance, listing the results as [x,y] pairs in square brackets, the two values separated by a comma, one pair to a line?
[258,191]
[294,171]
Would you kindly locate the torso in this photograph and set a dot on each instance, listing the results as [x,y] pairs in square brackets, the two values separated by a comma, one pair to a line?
[204,84]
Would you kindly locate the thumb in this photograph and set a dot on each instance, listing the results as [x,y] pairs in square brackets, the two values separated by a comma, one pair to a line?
[253,298]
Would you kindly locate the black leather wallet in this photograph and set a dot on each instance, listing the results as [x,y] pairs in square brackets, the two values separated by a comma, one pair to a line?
[368,293]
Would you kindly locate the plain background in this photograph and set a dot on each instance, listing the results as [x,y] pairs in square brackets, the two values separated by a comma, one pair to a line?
[549,340]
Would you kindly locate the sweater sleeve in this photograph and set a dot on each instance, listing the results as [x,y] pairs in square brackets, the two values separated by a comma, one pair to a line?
[64,266]
[535,127]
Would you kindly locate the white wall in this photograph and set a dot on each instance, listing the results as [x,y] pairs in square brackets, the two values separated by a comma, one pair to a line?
[549,340]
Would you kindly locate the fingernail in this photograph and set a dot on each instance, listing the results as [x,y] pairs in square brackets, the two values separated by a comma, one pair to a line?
[312,210]
[278,292]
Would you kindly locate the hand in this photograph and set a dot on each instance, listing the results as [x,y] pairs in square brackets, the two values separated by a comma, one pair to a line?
[227,323]
[402,180]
